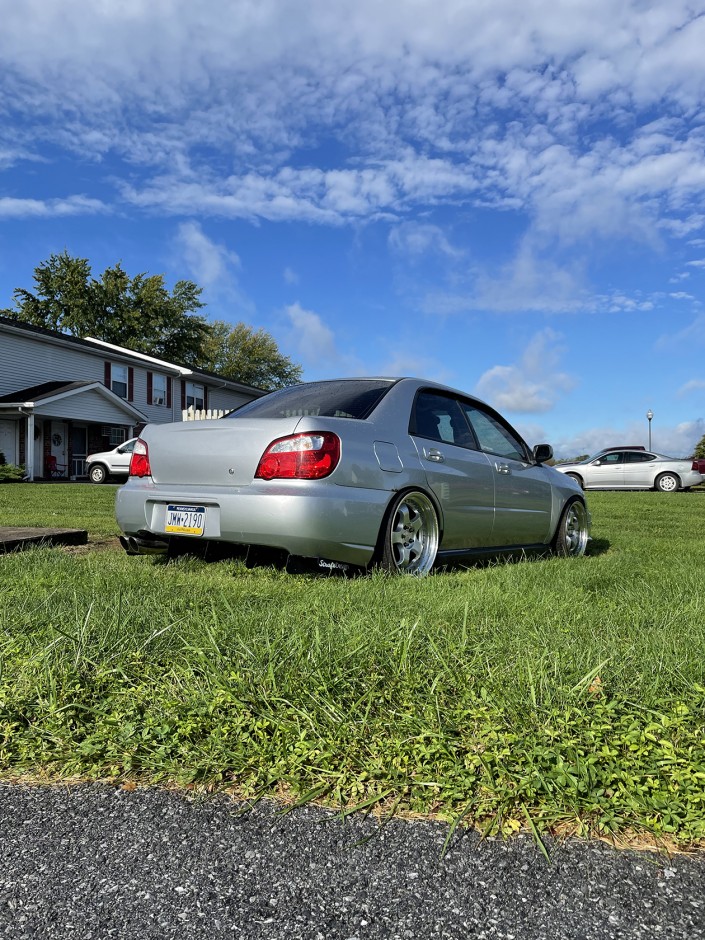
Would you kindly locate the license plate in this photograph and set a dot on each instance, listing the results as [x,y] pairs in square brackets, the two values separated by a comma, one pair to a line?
[185,520]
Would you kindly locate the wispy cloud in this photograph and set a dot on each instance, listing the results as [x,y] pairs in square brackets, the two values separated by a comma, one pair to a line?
[315,345]
[694,385]
[220,109]
[532,385]
[11,208]
[214,267]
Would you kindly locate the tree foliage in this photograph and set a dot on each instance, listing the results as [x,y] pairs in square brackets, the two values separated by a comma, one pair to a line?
[138,312]
[142,314]
[246,355]
[699,451]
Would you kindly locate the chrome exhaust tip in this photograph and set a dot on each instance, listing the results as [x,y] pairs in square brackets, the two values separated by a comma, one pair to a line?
[136,545]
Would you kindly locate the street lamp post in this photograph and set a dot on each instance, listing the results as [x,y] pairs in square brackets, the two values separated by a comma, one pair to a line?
[649,416]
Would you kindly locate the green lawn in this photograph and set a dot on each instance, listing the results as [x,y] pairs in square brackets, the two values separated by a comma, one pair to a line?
[567,692]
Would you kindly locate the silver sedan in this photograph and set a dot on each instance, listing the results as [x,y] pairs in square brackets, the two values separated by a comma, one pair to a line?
[631,468]
[397,473]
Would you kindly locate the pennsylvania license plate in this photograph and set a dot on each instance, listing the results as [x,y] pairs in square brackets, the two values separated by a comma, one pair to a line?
[185,520]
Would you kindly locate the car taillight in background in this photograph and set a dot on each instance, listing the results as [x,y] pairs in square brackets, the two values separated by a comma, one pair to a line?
[300,457]
[139,463]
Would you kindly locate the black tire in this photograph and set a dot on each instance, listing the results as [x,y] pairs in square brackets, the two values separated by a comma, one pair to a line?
[668,483]
[571,538]
[97,473]
[410,535]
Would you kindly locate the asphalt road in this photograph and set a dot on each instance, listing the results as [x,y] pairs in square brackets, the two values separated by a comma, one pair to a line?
[98,862]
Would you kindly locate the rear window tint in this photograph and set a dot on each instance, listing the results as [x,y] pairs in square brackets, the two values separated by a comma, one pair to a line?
[348,398]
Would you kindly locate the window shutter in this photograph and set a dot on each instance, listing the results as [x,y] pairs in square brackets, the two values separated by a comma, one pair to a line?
[130,383]
[205,397]
[168,391]
[149,389]
[107,376]
[183,395]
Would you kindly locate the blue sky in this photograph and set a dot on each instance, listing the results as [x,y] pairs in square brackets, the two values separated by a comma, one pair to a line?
[506,196]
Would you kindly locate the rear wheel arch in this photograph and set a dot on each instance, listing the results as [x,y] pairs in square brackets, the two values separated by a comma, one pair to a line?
[390,554]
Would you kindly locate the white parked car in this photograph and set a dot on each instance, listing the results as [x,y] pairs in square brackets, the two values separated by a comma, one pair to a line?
[631,468]
[115,462]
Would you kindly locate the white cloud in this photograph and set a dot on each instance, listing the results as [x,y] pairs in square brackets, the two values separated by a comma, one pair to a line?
[534,384]
[290,276]
[691,335]
[414,239]
[217,105]
[315,345]
[11,208]
[695,385]
[211,264]
[215,268]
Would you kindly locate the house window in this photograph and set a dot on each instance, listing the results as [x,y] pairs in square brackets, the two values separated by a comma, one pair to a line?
[195,396]
[158,389]
[118,380]
[115,435]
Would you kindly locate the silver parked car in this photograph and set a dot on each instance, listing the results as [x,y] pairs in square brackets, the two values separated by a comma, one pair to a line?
[115,462]
[631,468]
[398,473]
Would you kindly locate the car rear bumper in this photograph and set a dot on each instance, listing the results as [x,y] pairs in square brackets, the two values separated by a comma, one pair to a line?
[310,519]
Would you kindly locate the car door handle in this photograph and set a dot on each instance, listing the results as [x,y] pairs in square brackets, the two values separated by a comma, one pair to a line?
[502,468]
[435,455]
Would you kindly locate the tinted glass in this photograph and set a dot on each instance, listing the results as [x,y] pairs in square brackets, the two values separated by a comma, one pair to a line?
[493,436]
[614,457]
[353,398]
[440,418]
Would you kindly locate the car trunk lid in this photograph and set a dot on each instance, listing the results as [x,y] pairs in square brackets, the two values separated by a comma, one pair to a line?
[212,453]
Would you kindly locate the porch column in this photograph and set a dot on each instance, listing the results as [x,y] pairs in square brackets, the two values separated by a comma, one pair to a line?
[29,448]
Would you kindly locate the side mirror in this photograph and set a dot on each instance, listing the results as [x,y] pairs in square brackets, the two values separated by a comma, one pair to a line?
[542,453]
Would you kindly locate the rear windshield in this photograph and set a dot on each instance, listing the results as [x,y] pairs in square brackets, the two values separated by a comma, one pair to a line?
[346,398]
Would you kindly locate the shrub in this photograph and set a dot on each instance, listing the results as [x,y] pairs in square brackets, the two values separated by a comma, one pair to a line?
[9,472]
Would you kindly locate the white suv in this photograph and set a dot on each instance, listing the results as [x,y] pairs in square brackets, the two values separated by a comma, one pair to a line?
[114,462]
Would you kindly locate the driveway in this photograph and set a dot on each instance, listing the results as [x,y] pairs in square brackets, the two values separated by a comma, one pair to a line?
[98,862]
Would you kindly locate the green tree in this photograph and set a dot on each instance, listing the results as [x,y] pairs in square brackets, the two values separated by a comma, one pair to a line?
[699,451]
[246,355]
[138,312]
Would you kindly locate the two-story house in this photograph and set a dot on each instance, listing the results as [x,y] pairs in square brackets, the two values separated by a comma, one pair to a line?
[62,398]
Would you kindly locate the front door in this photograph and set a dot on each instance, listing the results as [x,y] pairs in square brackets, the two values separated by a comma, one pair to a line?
[59,446]
[523,496]
[79,445]
[8,440]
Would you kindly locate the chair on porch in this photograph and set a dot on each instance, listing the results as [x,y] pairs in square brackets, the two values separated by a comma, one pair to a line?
[54,469]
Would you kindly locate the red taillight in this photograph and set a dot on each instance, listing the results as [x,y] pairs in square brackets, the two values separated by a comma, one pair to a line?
[300,457]
[139,462]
